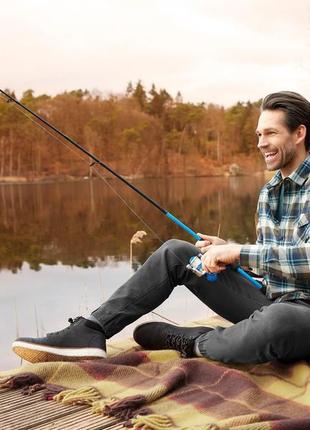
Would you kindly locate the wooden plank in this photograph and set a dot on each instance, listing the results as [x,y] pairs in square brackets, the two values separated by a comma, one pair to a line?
[26,417]
[18,400]
[23,412]
[82,420]
[3,391]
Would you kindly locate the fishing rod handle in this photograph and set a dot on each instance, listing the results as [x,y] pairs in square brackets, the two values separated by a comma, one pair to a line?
[210,276]
[245,275]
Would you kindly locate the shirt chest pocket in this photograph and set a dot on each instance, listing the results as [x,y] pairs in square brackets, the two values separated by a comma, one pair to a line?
[301,232]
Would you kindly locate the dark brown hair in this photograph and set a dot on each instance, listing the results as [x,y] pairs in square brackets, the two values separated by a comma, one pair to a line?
[295,107]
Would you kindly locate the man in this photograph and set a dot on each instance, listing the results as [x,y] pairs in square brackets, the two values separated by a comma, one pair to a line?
[269,323]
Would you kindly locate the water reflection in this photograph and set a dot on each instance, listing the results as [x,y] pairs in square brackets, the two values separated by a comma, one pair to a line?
[80,223]
[64,247]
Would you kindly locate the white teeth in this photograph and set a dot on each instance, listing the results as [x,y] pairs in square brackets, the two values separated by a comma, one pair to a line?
[270,154]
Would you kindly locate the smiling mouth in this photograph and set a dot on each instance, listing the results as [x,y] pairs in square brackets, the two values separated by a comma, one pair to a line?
[270,155]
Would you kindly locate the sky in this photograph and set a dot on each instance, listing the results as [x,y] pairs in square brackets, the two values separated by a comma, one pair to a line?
[212,51]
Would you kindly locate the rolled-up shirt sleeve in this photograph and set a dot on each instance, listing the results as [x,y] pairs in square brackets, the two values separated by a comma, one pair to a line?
[283,261]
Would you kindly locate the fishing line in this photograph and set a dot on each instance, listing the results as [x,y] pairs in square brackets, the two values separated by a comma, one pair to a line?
[197,261]
[93,167]
[101,176]
[35,118]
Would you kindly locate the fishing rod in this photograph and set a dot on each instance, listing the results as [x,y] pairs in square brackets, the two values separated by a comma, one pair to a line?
[195,263]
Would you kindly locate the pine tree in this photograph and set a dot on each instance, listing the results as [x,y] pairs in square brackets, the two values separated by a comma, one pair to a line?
[140,95]
[129,89]
[179,98]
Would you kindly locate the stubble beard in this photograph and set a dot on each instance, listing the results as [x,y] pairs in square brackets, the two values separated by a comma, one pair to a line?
[285,159]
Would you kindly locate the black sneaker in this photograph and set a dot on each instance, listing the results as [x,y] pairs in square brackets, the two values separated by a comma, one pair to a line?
[82,339]
[158,335]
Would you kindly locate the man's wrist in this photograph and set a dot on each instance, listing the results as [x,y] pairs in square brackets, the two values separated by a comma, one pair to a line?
[237,252]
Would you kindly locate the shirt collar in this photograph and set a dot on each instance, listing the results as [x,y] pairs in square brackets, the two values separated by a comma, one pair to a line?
[299,176]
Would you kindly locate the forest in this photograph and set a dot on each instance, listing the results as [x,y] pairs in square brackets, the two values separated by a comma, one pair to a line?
[141,133]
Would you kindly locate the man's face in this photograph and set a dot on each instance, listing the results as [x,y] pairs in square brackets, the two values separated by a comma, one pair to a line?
[276,142]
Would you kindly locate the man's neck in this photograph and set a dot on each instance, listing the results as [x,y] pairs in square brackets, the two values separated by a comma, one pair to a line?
[298,160]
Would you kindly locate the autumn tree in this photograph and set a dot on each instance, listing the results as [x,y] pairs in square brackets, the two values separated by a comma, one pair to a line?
[144,132]
[139,94]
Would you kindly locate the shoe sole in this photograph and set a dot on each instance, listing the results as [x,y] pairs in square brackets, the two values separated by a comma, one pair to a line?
[39,353]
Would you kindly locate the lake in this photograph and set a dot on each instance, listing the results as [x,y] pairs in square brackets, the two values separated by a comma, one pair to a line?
[65,247]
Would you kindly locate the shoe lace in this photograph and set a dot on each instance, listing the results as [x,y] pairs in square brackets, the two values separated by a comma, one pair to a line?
[61,332]
[181,343]
[74,320]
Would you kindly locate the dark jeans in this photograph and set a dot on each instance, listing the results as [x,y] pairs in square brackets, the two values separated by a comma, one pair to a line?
[262,330]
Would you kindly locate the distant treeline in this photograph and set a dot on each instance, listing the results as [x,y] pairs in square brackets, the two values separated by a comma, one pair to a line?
[143,133]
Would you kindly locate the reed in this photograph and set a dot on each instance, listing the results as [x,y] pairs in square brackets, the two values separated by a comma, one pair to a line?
[136,238]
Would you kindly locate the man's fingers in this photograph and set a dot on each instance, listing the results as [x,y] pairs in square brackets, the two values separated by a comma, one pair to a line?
[204,247]
[202,243]
[214,268]
[206,237]
[213,240]
[212,263]
[217,257]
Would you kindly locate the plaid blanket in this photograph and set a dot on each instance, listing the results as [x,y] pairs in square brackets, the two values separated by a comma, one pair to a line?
[157,390]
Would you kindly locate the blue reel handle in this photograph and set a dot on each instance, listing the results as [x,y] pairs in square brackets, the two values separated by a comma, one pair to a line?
[212,277]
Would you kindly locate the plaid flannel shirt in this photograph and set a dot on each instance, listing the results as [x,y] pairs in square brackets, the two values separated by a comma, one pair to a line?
[282,251]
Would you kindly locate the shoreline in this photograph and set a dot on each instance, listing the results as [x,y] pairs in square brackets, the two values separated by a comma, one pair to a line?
[7,180]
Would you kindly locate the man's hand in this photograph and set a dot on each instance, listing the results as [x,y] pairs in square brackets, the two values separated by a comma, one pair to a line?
[216,258]
[203,245]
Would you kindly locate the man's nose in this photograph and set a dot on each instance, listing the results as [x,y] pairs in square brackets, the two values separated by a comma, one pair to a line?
[262,142]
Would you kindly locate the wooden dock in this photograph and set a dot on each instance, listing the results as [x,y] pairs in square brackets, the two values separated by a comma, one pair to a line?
[23,412]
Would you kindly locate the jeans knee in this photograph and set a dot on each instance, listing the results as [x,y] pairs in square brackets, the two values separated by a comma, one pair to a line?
[279,330]
[277,318]
[179,247]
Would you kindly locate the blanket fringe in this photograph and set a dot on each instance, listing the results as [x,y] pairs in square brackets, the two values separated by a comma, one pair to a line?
[151,422]
[30,389]
[51,390]
[20,381]
[121,408]
[124,408]
[99,406]
[82,396]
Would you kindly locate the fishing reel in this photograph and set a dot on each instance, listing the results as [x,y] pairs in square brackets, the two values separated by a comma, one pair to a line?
[196,266]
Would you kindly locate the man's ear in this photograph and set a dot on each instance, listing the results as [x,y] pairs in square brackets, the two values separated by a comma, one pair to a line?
[301,132]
